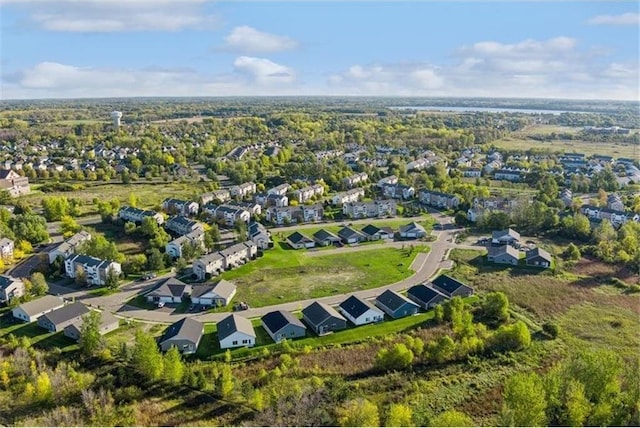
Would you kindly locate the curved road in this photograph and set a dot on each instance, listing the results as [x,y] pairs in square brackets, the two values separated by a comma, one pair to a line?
[425,266]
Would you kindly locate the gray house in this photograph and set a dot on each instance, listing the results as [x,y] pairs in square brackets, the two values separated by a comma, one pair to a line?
[508,236]
[426,297]
[351,236]
[218,294]
[169,290]
[184,335]
[34,309]
[451,287]
[504,254]
[60,318]
[539,258]
[282,325]
[325,238]
[323,318]
[108,323]
[396,305]
[412,231]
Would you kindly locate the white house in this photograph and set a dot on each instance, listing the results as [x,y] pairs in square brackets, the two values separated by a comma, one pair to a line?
[217,294]
[10,288]
[6,248]
[359,311]
[235,331]
[69,247]
[34,309]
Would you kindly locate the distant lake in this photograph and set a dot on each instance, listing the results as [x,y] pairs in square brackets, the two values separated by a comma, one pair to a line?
[484,109]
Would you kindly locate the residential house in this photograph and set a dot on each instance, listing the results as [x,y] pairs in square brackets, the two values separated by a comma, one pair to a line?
[235,331]
[360,311]
[69,247]
[299,214]
[181,225]
[508,236]
[438,199]
[472,172]
[355,179]
[259,235]
[10,288]
[217,294]
[538,257]
[184,335]
[95,270]
[387,181]
[14,183]
[425,296]
[374,233]
[208,265]
[396,305]
[418,164]
[325,238]
[614,202]
[178,206]
[279,190]
[381,208]
[281,325]
[107,324]
[34,309]
[272,200]
[136,215]
[169,290]
[297,241]
[243,190]
[228,214]
[323,318]
[60,318]
[6,248]
[451,287]
[503,254]
[352,195]
[219,196]
[195,239]
[412,230]
[508,175]
[308,193]
[351,236]
[566,196]
[233,256]
[398,191]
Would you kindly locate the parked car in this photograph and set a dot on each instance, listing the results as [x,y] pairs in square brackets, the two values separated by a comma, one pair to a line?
[161,304]
[149,275]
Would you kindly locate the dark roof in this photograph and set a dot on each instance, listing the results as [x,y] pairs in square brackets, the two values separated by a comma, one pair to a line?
[538,252]
[6,281]
[317,312]
[370,230]
[187,329]
[232,324]
[347,232]
[423,292]
[448,284]
[297,237]
[66,313]
[322,234]
[412,226]
[393,300]
[355,306]
[277,320]
[170,287]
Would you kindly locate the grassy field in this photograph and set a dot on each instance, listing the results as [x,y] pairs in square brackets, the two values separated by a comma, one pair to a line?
[38,336]
[149,194]
[285,275]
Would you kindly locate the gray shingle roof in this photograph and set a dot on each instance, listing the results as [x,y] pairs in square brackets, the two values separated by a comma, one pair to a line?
[297,238]
[423,292]
[222,288]
[66,313]
[44,303]
[187,329]
[317,312]
[234,323]
[448,284]
[277,320]
[355,306]
[393,300]
[170,287]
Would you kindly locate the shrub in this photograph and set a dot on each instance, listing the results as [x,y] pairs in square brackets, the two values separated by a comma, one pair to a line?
[551,329]
[396,358]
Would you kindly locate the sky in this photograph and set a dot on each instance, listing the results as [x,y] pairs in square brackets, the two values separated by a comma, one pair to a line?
[138,48]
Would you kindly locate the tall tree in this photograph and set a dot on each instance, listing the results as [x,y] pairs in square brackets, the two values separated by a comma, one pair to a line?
[524,401]
[173,366]
[91,341]
[146,356]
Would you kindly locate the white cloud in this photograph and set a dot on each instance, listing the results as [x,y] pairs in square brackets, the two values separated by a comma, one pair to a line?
[554,68]
[630,18]
[249,40]
[251,76]
[117,15]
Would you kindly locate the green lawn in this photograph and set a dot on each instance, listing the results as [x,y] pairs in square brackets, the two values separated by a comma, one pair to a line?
[285,275]
[37,335]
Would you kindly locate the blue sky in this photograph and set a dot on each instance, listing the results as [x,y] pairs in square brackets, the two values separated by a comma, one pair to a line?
[115,48]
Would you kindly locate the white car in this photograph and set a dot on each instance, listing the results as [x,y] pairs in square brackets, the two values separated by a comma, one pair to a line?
[161,304]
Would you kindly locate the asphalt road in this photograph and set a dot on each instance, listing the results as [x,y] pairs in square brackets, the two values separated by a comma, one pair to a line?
[425,266]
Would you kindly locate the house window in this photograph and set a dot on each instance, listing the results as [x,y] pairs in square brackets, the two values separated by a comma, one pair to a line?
[293,333]
[367,319]
[235,342]
[245,341]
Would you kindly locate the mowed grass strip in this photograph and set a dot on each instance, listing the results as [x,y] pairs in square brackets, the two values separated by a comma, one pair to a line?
[283,275]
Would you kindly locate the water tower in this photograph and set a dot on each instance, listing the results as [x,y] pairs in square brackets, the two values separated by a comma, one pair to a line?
[116,116]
